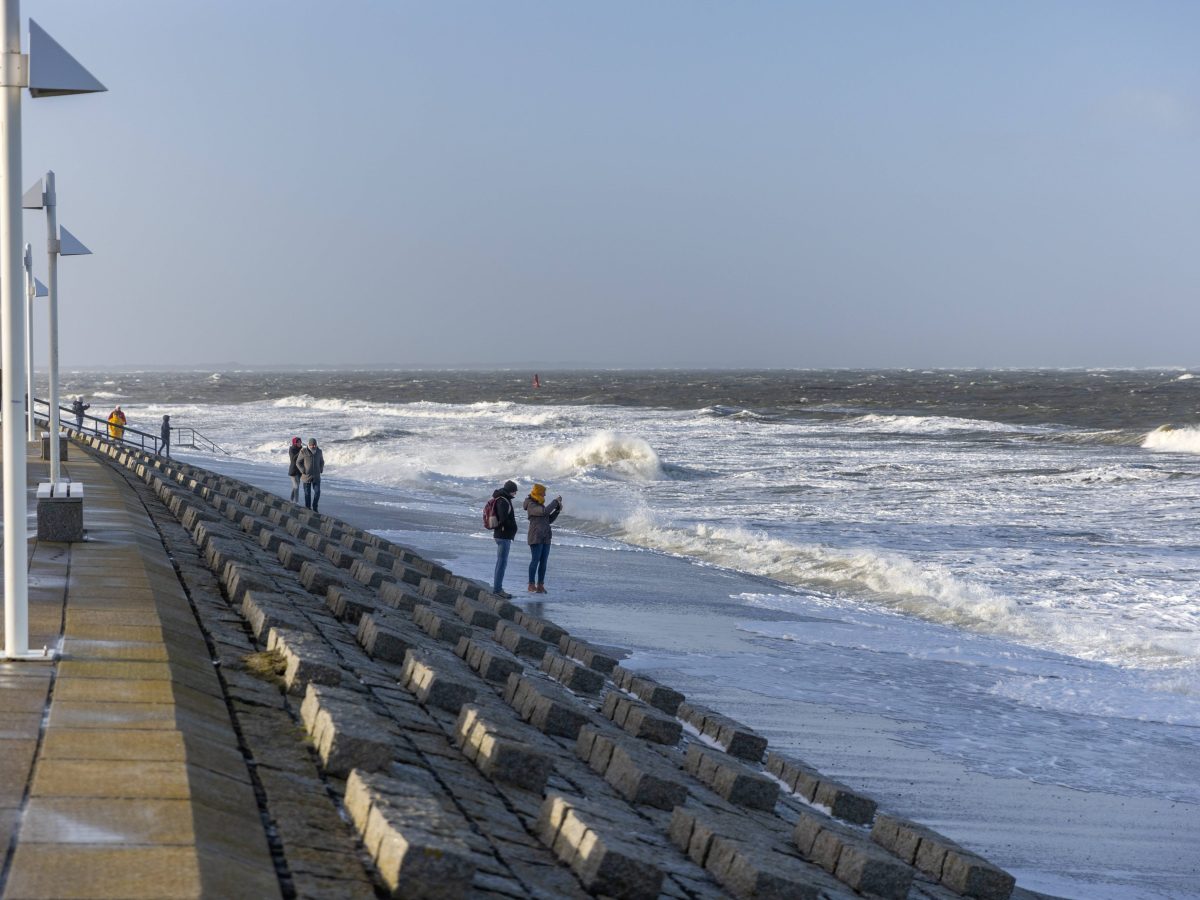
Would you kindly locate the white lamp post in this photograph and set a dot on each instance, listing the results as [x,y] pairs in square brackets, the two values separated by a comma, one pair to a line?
[59,242]
[33,289]
[48,71]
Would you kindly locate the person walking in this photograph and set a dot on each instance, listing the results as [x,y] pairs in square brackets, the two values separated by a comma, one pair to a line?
[116,424]
[506,515]
[311,462]
[293,470]
[541,516]
[79,408]
[165,434]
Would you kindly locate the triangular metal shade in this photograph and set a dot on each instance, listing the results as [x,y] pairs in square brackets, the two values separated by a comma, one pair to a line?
[69,245]
[39,289]
[53,72]
[34,197]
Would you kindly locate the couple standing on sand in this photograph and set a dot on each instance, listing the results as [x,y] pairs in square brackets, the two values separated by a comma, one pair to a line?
[541,515]
[305,465]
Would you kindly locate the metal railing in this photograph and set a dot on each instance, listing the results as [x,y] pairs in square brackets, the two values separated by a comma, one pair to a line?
[143,440]
[194,440]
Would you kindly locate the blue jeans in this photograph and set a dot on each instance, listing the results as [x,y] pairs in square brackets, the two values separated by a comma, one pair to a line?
[503,545]
[537,565]
[312,494]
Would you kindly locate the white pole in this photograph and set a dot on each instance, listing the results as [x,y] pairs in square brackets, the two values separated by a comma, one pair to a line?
[29,295]
[12,320]
[52,308]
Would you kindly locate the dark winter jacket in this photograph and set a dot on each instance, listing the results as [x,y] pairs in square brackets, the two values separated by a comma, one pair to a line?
[540,518]
[79,408]
[311,463]
[165,431]
[507,514]
[293,452]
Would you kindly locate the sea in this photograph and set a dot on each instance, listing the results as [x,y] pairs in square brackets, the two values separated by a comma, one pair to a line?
[998,567]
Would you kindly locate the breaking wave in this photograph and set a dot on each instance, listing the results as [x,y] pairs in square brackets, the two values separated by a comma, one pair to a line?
[926,591]
[1173,440]
[604,452]
[929,591]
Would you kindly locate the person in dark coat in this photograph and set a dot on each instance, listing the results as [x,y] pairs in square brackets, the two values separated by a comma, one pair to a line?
[541,515]
[293,470]
[79,408]
[311,463]
[503,533]
[165,434]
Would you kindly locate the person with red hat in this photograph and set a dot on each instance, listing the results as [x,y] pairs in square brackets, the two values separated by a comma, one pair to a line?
[293,469]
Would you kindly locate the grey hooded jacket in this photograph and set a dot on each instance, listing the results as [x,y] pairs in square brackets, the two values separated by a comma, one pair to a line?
[540,518]
[311,463]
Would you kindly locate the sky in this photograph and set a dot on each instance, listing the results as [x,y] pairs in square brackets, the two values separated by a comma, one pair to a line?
[625,184]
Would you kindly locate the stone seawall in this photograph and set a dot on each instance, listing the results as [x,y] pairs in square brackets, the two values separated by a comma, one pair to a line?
[412,734]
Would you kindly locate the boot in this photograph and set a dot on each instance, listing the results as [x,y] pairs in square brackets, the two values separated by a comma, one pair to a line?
[540,589]
[532,588]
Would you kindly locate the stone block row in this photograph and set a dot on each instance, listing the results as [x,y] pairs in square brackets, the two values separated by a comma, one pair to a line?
[587,654]
[601,848]
[414,840]
[637,773]
[345,733]
[517,640]
[811,786]
[942,859]
[850,856]
[732,780]
[499,751]
[545,706]
[648,690]
[574,675]
[746,860]
[737,739]
[491,662]
[431,676]
[641,720]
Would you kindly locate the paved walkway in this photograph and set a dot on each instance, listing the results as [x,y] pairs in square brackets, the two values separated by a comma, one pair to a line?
[120,773]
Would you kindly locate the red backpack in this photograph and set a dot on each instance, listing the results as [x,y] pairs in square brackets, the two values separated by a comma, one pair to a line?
[491,521]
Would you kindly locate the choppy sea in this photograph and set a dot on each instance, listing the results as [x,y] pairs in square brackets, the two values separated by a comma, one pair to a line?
[1036,529]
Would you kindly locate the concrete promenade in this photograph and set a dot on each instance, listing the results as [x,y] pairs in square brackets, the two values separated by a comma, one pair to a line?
[120,773]
[253,700]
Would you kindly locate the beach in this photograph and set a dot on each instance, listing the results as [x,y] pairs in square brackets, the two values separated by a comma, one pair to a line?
[983,623]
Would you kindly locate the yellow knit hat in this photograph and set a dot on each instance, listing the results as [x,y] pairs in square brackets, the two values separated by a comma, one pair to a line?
[538,492]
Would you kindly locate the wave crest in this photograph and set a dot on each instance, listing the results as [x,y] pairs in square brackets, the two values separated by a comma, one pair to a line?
[929,591]
[1173,440]
[605,452]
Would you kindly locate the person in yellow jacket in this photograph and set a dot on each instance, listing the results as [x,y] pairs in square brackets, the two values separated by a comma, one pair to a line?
[116,424]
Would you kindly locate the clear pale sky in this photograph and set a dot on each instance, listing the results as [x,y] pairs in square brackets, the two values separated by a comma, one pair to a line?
[626,183]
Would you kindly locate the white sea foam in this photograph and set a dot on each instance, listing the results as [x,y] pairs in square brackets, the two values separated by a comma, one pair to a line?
[502,412]
[930,591]
[927,424]
[622,455]
[1104,475]
[1186,376]
[1173,440]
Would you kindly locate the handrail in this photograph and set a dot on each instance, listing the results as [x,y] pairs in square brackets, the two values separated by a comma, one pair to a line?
[196,441]
[132,436]
[95,425]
